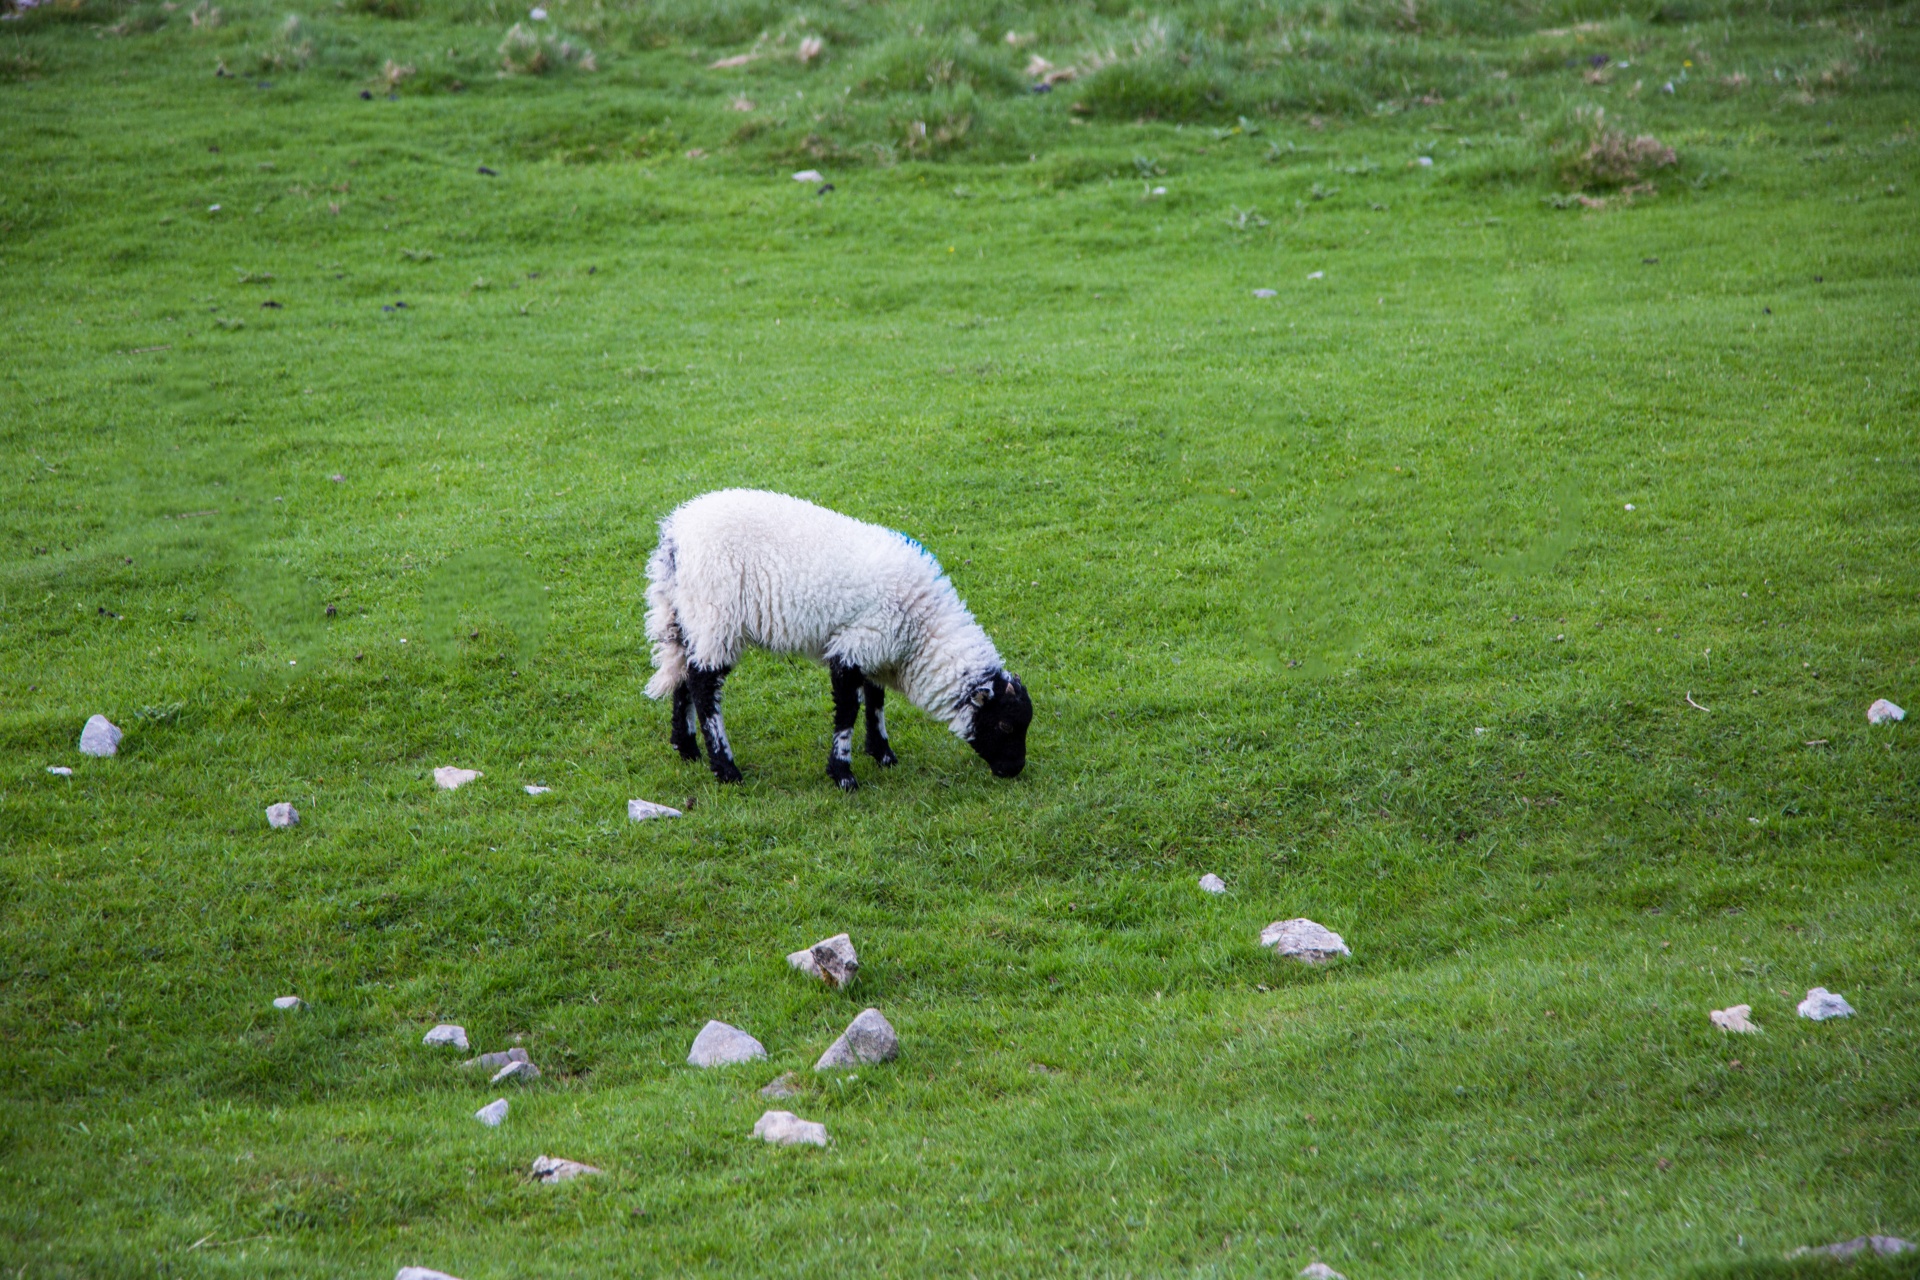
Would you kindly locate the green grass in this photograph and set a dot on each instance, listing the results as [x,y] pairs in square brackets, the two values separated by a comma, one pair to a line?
[1335,594]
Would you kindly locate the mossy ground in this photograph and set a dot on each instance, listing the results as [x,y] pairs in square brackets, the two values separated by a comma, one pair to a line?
[1506,592]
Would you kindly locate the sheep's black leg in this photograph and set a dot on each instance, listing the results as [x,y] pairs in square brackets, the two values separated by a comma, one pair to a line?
[686,728]
[876,746]
[706,706]
[846,709]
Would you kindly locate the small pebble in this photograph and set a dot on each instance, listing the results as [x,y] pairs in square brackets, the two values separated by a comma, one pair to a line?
[282,815]
[1266,293]
[719,1045]
[641,810]
[786,1085]
[1882,711]
[1304,940]
[1629,506]
[1879,1246]
[59,771]
[535,790]
[494,1061]
[809,175]
[1822,1004]
[492,1114]
[832,961]
[100,737]
[869,1038]
[1213,883]
[289,1002]
[422,1273]
[1734,1018]
[554,1169]
[1319,1271]
[447,1033]
[448,778]
[522,1070]
[1425,162]
[785,1129]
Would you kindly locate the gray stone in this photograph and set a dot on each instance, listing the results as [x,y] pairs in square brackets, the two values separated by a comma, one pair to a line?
[1213,883]
[289,1002]
[554,1169]
[1881,712]
[782,1086]
[832,961]
[1879,1246]
[420,1273]
[719,1045]
[1822,1004]
[641,810]
[1266,293]
[1734,1018]
[59,771]
[495,1061]
[1304,940]
[447,1033]
[282,815]
[868,1039]
[451,778]
[493,1113]
[534,789]
[785,1129]
[100,737]
[1319,1271]
[521,1070]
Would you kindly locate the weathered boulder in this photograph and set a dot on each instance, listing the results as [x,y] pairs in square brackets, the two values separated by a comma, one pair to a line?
[719,1045]
[869,1038]
[99,737]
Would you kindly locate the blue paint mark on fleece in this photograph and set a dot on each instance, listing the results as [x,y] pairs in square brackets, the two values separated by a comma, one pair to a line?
[915,544]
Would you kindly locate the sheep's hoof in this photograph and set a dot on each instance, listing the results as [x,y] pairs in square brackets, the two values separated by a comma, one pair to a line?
[884,757]
[687,747]
[848,783]
[726,771]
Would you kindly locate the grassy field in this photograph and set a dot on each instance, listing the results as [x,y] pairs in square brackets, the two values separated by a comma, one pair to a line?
[1506,592]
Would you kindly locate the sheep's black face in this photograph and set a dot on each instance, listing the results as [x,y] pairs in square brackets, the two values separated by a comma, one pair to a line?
[1001,713]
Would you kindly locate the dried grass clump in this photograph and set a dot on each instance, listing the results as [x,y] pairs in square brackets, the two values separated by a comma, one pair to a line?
[1596,154]
[528,53]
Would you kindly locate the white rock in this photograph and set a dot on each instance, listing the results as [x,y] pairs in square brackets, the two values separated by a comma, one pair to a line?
[538,15]
[494,1061]
[785,1129]
[868,1038]
[1266,293]
[554,1169]
[448,778]
[282,815]
[1159,191]
[782,1086]
[719,1045]
[1316,275]
[809,175]
[1213,883]
[99,737]
[1319,1271]
[521,1070]
[289,1002]
[1879,713]
[831,960]
[1880,1246]
[534,790]
[1734,1018]
[422,1273]
[1425,162]
[1304,940]
[447,1033]
[1629,506]
[1822,1004]
[59,771]
[492,1114]
[811,47]
[641,810]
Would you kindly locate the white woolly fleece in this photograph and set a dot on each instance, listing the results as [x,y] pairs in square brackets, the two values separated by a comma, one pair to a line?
[741,567]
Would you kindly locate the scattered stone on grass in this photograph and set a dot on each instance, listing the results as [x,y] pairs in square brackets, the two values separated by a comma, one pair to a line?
[1879,1246]
[521,1070]
[494,1061]
[1316,275]
[868,1038]
[422,1273]
[449,778]
[1734,1018]
[1266,293]
[1319,1271]
[641,810]
[1879,713]
[785,1129]
[719,1045]
[282,815]
[59,771]
[1213,883]
[492,1114]
[534,789]
[1822,1004]
[785,1085]
[554,1169]
[289,1002]
[447,1033]
[809,175]
[1304,940]
[99,737]
[832,961]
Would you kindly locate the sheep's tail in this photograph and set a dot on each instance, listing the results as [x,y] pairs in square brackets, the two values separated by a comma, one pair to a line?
[663,624]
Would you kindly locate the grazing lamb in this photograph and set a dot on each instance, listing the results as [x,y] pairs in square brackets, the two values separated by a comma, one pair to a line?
[742,566]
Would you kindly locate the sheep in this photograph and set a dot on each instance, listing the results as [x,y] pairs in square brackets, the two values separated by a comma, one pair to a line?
[739,567]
